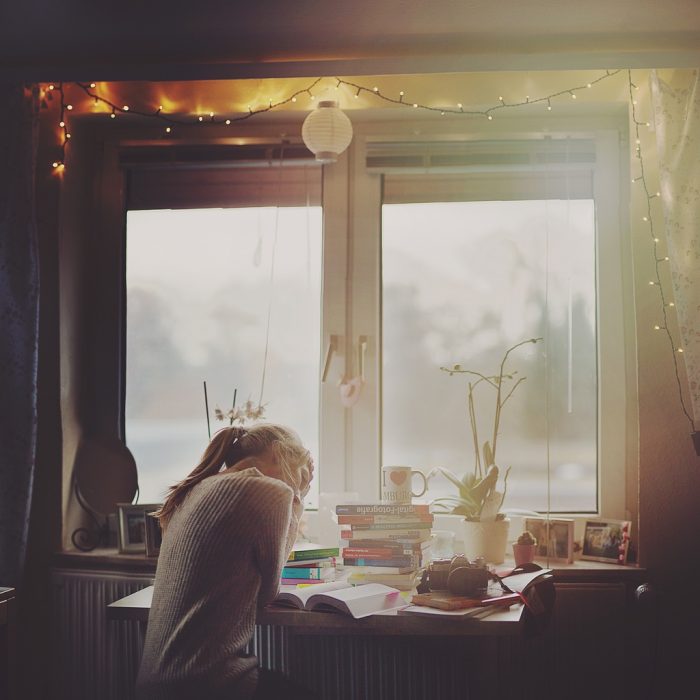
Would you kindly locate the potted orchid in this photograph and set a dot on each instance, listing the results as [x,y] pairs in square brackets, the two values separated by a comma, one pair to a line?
[480,492]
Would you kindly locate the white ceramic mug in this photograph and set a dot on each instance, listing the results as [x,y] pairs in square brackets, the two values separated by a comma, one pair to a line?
[397,484]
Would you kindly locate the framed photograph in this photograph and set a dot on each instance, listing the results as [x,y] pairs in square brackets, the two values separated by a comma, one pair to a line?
[153,536]
[132,526]
[606,540]
[555,538]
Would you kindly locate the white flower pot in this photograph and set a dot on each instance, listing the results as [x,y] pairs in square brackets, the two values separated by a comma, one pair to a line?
[487,539]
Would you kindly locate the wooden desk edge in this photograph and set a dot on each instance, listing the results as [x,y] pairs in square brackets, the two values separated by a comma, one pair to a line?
[135,607]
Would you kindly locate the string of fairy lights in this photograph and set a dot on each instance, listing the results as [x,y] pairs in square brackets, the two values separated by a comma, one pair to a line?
[660,260]
[401,100]
[172,120]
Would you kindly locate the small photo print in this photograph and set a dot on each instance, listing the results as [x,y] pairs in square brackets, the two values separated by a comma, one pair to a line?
[132,526]
[606,541]
[555,538]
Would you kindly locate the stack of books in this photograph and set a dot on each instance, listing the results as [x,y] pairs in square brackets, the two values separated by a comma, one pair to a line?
[310,563]
[384,543]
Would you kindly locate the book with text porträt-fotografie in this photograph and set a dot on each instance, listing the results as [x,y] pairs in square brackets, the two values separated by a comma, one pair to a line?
[383,509]
[340,596]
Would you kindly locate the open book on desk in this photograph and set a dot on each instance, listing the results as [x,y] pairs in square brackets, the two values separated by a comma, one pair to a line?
[340,596]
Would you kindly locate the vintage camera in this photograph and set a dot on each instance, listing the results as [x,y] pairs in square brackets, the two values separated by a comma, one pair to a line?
[459,576]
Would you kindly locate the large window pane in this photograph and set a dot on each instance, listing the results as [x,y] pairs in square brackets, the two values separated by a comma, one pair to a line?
[462,282]
[200,286]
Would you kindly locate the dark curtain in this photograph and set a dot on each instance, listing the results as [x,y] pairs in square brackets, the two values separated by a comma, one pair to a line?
[19,324]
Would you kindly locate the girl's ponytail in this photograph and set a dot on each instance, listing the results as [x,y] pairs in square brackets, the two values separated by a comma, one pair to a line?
[225,448]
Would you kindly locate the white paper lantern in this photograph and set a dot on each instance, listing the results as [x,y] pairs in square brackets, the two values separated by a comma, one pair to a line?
[326,131]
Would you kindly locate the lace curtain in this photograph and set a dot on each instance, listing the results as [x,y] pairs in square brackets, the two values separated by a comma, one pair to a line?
[677,123]
[19,317]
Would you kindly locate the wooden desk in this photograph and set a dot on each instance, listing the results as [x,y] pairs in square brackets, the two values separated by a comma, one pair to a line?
[8,643]
[500,623]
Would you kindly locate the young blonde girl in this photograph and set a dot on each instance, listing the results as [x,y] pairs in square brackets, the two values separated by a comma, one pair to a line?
[228,529]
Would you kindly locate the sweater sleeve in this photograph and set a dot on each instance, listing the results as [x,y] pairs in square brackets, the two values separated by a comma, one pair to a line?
[272,543]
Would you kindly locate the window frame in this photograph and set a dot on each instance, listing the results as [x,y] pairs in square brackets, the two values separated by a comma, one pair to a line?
[350,439]
[617,405]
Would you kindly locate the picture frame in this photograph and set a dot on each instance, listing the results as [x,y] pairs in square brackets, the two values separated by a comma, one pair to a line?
[154,535]
[132,526]
[606,540]
[555,538]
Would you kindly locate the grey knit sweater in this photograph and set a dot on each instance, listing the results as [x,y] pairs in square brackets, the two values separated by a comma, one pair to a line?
[221,557]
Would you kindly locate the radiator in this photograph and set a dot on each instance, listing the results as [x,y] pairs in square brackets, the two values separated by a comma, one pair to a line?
[98,659]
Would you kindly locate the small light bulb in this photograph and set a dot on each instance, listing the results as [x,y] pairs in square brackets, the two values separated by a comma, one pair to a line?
[652,283]
[167,129]
[200,118]
[113,115]
[658,194]
[648,123]
[549,108]
[211,114]
[680,349]
[294,99]
[55,164]
[657,328]
[401,93]
[160,108]
[415,105]
[92,85]
[459,105]
[500,97]
[490,117]
[588,85]
[634,102]
[670,303]
[637,141]
[67,136]
[573,95]
[228,121]
[666,258]
[357,95]
[313,97]
[656,240]
[375,88]
[61,124]
[51,87]
[125,108]
[644,218]
[69,107]
[442,114]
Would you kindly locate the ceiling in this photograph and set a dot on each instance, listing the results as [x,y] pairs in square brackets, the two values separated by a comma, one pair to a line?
[136,40]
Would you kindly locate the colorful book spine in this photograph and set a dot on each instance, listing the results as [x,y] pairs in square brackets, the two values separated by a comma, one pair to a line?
[369,561]
[384,569]
[409,535]
[407,547]
[306,554]
[379,552]
[383,519]
[399,525]
[383,509]
[313,563]
[307,573]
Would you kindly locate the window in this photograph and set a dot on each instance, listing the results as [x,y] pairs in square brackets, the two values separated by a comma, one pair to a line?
[229,296]
[480,244]
[426,251]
